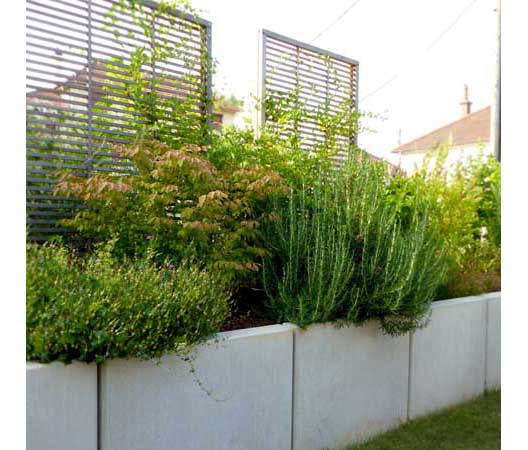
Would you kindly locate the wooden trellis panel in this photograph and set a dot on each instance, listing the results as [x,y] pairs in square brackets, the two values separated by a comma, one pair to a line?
[321,80]
[78,89]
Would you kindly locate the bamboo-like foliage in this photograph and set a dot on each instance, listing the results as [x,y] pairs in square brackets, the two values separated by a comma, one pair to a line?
[342,251]
[465,199]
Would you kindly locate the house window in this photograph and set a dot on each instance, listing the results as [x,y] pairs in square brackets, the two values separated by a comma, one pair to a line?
[217,120]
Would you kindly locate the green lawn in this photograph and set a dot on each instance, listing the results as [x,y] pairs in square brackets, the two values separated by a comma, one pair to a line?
[471,426]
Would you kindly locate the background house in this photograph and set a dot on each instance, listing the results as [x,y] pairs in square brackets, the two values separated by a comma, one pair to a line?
[226,111]
[466,137]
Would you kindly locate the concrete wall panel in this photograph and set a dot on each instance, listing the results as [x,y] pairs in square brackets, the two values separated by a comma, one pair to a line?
[264,388]
[493,360]
[61,406]
[448,357]
[234,394]
[350,383]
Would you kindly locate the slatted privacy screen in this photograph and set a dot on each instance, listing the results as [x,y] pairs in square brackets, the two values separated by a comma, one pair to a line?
[79,96]
[321,81]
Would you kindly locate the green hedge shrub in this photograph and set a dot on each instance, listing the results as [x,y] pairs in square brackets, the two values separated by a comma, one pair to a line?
[343,252]
[91,309]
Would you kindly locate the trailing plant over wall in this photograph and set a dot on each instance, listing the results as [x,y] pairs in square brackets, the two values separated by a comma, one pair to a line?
[95,308]
[342,252]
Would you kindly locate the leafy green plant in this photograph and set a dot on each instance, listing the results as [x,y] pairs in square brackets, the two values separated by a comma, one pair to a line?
[239,149]
[286,112]
[156,102]
[342,252]
[95,308]
[484,174]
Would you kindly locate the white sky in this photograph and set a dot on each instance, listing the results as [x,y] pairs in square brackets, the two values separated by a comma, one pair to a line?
[387,37]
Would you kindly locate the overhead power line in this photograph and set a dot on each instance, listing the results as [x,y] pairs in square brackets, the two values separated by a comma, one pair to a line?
[451,25]
[336,21]
[433,43]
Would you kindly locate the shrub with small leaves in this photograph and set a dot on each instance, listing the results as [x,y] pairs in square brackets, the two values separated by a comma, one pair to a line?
[233,149]
[95,308]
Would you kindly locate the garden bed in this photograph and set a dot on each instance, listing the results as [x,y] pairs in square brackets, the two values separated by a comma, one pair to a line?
[247,310]
[273,387]
[210,269]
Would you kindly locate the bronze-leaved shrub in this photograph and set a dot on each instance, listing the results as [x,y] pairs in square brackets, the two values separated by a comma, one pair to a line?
[178,204]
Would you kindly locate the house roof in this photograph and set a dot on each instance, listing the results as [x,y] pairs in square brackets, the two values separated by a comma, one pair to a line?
[169,86]
[223,108]
[470,129]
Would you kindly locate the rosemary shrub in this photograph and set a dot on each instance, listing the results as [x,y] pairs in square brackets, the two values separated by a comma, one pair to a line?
[341,251]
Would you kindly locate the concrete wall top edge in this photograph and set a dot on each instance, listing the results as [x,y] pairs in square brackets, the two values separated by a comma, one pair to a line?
[251,332]
[337,325]
[282,328]
[32,365]
[461,300]
[492,295]
[35,365]
[434,305]
[222,336]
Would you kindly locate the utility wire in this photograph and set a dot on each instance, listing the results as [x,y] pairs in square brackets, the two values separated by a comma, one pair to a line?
[343,14]
[451,25]
[427,49]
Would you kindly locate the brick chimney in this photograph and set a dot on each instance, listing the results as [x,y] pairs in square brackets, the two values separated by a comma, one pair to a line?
[466,104]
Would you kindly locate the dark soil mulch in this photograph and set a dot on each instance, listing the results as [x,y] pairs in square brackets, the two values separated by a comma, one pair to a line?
[248,310]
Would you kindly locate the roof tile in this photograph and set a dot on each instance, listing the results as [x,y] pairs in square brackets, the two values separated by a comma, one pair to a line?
[473,128]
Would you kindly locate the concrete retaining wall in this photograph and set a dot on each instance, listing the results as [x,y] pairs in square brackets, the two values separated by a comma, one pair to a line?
[448,361]
[270,388]
[61,406]
[234,394]
[493,359]
[350,383]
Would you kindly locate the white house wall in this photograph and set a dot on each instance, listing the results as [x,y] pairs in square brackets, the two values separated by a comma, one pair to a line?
[410,162]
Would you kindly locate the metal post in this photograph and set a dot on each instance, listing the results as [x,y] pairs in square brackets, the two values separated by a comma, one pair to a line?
[495,132]
[208,28]
[89,68]
[261,84]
